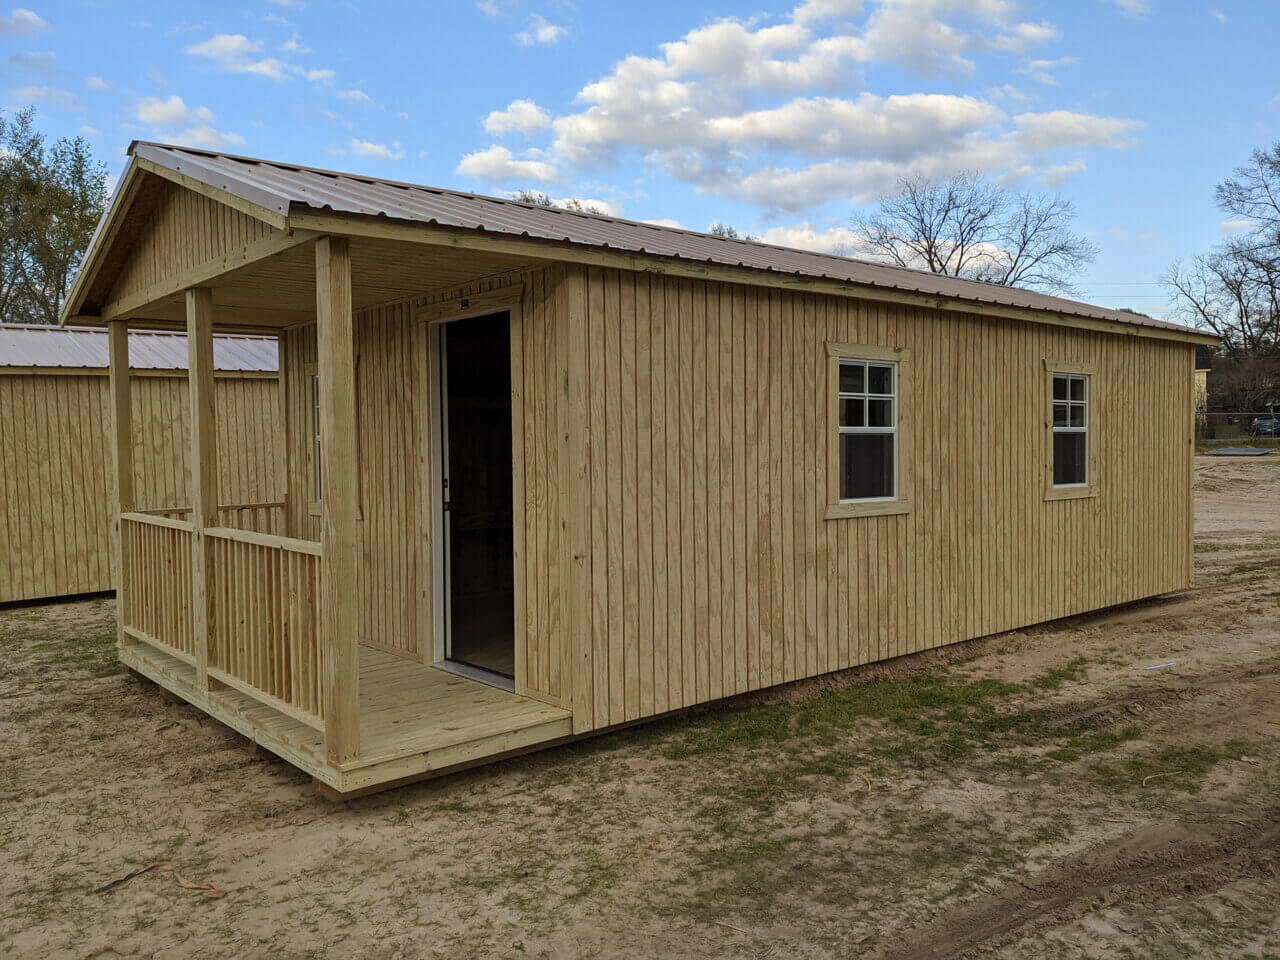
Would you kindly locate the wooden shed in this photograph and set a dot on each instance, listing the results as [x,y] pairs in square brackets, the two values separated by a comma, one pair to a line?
[56,494]
[551,472]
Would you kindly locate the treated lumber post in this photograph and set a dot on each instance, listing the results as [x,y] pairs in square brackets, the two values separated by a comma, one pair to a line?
[284,373]
[122,457]
[204,468]
[339,610]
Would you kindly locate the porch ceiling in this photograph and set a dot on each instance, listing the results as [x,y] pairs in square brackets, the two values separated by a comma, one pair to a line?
[281,290]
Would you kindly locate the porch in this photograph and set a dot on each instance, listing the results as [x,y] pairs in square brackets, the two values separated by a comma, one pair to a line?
[415,720]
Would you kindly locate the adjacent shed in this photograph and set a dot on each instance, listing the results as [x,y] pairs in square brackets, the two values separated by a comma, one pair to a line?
[548,473]
[56,493]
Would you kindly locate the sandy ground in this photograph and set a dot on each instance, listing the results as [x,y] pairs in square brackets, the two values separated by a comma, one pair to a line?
[1040,793]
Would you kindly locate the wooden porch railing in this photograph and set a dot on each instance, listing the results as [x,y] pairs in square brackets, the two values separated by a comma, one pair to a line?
[155,605]
[264,619]
[259,517]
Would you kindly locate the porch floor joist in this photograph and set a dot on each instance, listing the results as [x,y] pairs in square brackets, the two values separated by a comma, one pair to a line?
[415,721]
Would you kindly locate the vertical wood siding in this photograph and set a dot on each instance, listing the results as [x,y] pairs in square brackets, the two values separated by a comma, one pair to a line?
[712,570]
[183,230]
[55,488]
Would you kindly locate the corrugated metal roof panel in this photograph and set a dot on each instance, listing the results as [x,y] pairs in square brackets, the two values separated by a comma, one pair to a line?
[279,186]
[84,348]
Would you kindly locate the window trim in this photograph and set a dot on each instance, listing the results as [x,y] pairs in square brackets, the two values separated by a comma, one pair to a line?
[1074,491]
[880,507]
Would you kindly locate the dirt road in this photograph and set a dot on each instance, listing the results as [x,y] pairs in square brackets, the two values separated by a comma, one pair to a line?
[1037,794]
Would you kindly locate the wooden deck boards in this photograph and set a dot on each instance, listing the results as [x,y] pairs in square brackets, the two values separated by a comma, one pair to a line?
[414,719]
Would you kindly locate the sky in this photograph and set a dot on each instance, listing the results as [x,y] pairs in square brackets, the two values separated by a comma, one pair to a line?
[782,119]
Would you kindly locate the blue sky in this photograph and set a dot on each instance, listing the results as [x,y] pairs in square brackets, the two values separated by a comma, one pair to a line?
[779,119]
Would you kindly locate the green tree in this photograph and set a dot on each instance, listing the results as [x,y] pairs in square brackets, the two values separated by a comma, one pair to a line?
[51,198]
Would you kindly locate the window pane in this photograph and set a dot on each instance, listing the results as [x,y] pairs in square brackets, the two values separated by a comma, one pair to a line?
[866,466]
[851,377]
[1059,387]
[1069,458]
[1077,388]
[1060,414]
[879,379]
[880,413]
[1077,414]
[851,413]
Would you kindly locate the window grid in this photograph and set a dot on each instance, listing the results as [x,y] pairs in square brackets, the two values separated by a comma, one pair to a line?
[868,401]
[1071,416]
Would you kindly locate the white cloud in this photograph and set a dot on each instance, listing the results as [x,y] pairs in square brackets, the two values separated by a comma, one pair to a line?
[1062,128]
[1059,174]
[377,151]
[771,113]
[817,11]
[234,53]
[40,62]
[96,83]
[540,32]
[294,45]
[805,236]
[496,164]
[524,116]
[170,112]
[355,96]
[22,22]
[1132,8]
[1218,15]
[49,96]
[292,4]
[1042,70]
[664,222]
[1236,226]
[322,76]
[192,126]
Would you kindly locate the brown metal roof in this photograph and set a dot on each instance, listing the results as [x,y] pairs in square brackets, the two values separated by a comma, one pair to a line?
[85,348]
[282,188]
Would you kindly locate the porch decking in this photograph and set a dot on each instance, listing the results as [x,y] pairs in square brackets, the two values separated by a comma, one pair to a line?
[414,719]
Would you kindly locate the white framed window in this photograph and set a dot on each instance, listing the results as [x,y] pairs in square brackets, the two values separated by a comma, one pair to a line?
[1070,430]
[868,394]
[867,416]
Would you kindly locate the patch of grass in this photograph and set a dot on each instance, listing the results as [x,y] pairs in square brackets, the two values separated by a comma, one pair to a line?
[1054,677]
[1186,766]
[895,700]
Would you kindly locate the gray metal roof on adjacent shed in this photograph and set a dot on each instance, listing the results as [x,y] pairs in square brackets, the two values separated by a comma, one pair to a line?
[84,348]
[281,188]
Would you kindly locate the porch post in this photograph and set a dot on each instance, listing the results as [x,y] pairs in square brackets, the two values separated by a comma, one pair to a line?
[339,610]
[204,467]
[122,457]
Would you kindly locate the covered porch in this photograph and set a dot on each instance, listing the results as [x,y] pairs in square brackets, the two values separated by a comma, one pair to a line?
[310,624]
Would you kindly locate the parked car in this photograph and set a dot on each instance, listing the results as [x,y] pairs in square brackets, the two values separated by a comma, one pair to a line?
[1265,427]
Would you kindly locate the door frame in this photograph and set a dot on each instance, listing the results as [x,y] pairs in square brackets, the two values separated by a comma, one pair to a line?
[507,300]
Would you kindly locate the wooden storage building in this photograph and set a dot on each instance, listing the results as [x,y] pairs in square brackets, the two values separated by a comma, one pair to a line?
[56,494]
[550,472]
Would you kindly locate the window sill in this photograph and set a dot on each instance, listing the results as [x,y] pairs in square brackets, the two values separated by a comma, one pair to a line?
[877,508]
[1070,493]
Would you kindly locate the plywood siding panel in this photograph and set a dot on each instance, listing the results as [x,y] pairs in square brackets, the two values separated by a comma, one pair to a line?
[54,469]
[183,230]
[750,586]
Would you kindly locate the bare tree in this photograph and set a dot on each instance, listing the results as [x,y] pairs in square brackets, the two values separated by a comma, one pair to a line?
[542,200]
[730,232]
[1234,289]
[966,227]
[51,197]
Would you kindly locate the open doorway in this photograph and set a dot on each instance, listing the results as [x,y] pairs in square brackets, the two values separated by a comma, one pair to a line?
[478,589]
